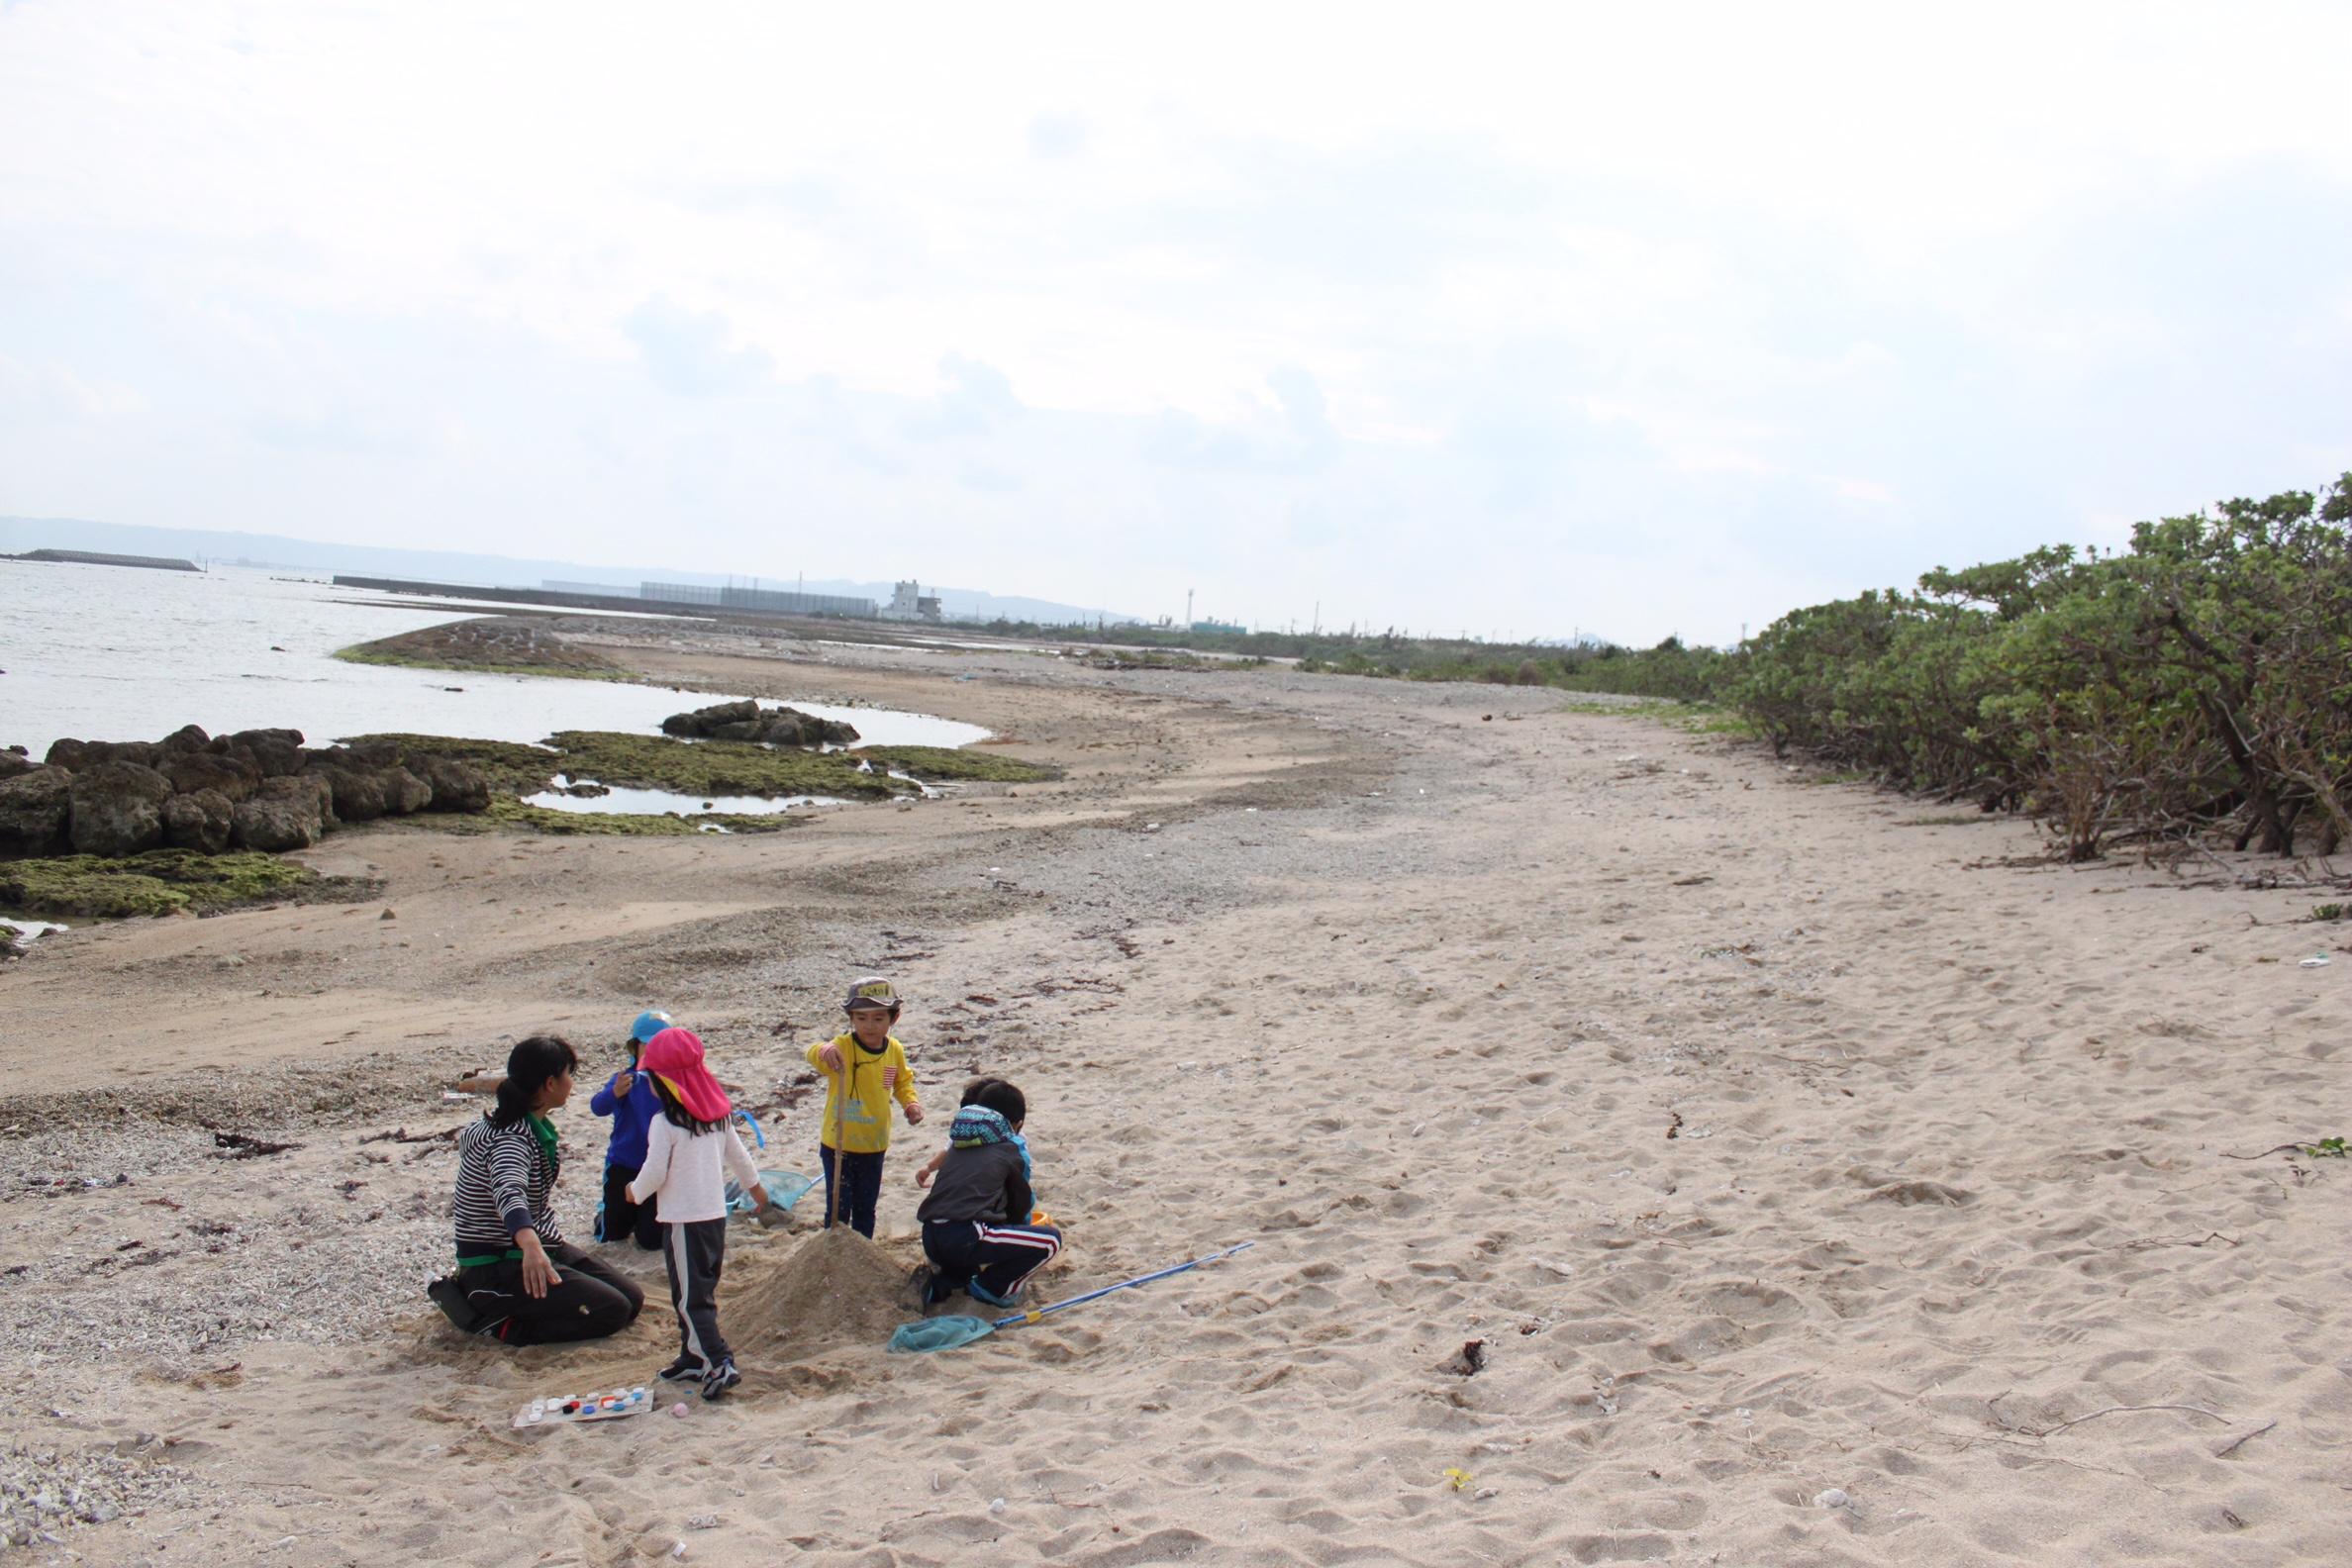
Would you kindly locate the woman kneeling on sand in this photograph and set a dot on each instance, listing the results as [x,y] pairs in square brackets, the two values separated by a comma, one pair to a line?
[517,1278]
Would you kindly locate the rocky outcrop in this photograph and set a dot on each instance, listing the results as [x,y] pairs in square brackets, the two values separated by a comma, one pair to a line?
[457,786]
[747,720]
[288,813]
[275,752]
[202,820]
[118,809]
[259,789]
[36,807]
[75,756]
[233,775]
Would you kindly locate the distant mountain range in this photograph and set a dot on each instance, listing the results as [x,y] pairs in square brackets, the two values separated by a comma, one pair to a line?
[19,534]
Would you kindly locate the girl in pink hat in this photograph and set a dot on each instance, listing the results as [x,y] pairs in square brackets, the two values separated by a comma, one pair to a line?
[690,1151]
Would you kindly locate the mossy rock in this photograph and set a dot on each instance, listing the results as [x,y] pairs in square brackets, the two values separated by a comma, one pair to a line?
[637,761]
[511,812]
[715,768]
[511,765]
[490,645]
[942,764]
[158,882]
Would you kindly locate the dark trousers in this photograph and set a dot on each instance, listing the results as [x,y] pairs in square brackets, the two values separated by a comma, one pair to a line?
[1001,1257]
[588,1301]
[623,1219]
[861,1186]
[696,1251]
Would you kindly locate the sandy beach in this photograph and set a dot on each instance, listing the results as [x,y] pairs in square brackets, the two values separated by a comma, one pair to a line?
[1653,1152]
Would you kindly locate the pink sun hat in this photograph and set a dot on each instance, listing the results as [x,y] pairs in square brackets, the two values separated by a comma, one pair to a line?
[675,1056]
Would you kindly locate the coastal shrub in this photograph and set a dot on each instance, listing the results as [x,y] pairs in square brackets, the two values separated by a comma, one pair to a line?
[2199,681]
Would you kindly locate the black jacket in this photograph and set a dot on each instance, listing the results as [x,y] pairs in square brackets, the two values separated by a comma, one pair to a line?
[981,1184]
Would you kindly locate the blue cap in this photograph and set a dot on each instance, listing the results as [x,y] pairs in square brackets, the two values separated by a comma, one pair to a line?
[648,1024]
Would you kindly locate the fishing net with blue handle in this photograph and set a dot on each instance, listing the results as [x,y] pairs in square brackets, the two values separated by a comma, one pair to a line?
[940,1334]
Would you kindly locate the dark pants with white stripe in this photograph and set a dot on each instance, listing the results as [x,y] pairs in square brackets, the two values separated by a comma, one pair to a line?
[588,1301]
[1001,1257]
[696,1251]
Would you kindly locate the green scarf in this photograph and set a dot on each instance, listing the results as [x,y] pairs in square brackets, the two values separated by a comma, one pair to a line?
[544,1130]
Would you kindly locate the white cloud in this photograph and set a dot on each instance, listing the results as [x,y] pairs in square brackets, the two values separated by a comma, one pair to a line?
[1212,297]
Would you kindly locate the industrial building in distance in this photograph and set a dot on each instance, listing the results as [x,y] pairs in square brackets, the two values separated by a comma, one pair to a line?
[908,601]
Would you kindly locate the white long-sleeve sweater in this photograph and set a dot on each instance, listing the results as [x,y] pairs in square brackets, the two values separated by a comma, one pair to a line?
[689,1170]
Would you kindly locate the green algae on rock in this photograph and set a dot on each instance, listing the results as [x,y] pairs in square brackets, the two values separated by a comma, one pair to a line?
[158,882]
[715,768]
[510,764]
[637,761]
[545,819]
[491,646]
[944,763]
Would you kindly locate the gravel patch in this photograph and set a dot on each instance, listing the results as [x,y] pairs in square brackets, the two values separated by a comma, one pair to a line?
[45,1493]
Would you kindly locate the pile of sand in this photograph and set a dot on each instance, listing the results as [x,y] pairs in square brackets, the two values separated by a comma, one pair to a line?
[834,1286]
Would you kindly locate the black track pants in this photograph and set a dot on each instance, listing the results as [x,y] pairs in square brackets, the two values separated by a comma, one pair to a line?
[696,1251]
[588,1301]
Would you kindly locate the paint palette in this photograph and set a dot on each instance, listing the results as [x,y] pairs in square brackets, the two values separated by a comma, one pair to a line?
[558,1408]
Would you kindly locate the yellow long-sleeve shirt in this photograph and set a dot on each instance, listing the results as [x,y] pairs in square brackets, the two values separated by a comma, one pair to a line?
[873,1079]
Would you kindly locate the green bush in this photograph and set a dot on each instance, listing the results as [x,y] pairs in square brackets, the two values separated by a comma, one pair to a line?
[2199,681]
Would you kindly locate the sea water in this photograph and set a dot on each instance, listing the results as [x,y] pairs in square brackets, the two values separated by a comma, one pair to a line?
[126,653]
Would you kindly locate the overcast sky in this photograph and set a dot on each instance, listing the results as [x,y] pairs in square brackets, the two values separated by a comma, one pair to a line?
[1630,319]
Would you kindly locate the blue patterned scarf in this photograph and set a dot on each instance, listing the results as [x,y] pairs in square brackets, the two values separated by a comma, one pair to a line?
[977,1125]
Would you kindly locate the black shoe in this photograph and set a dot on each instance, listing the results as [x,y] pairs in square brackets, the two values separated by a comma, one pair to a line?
[686,1369]
[721,1377]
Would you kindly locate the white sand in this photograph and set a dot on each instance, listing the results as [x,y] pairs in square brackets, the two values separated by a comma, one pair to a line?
[1768,1142]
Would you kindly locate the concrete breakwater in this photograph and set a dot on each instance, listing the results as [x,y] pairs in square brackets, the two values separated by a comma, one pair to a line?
[100,558]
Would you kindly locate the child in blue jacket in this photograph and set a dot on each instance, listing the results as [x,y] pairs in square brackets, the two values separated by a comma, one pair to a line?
[629,1099]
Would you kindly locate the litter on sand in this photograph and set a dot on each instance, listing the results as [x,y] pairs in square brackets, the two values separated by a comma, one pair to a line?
[946,1333]
[557,1409]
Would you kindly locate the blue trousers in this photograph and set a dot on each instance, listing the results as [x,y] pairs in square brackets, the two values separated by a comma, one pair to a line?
[861,1186]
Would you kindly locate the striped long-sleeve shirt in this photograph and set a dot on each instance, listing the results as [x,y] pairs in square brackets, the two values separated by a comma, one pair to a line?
[505,1184]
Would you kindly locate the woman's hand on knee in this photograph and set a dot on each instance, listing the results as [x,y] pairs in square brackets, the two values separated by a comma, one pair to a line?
[539,1274]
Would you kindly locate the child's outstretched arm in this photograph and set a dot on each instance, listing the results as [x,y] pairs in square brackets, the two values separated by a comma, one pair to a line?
[660,1139]
[824,1056]
[738,1160]
[923,1177]
[904,1088]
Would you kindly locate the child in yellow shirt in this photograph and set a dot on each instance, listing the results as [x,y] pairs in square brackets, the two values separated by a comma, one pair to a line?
[864,1070]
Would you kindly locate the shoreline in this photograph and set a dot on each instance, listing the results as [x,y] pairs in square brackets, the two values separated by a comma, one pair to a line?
[1766,1146]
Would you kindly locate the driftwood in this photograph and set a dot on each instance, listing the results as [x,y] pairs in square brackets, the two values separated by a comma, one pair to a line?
[243,1145]
[402,1135]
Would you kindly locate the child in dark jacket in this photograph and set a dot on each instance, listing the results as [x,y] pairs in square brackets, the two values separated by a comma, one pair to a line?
[975,1228]
[627,1097]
